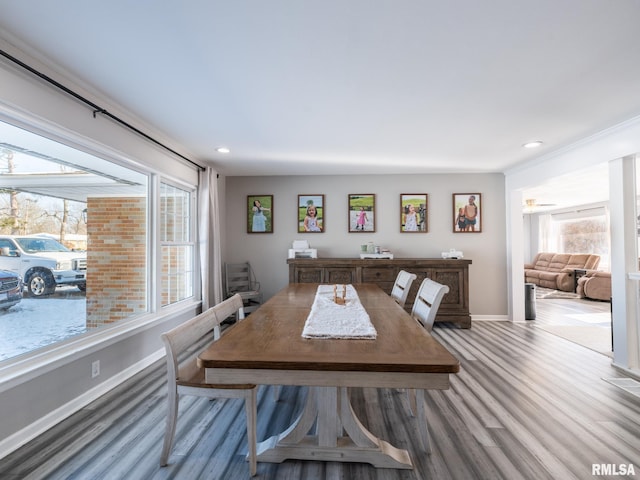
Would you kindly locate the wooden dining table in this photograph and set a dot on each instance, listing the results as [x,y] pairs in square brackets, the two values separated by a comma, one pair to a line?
[267,348]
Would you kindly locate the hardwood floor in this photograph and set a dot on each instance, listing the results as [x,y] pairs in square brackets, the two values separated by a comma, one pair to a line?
[526,404]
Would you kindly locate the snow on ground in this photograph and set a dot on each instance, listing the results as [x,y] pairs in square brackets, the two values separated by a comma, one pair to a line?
[38,322]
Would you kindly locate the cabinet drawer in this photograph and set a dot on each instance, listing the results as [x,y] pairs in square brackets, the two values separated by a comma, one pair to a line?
[372,275]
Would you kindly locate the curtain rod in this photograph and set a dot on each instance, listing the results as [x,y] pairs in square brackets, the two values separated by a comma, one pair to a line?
[96,108]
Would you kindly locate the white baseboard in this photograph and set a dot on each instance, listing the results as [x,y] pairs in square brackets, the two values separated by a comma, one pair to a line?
[490,318]
[18,439]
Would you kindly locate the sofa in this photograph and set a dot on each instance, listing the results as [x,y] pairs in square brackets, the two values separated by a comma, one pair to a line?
[556,270]
[595,285]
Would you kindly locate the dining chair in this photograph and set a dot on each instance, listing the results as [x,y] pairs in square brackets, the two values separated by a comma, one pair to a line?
[184,377]
[401,287]
[427,302]
[425,308]
[239,278]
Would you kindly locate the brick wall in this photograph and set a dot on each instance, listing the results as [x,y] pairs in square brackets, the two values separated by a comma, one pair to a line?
[116,259]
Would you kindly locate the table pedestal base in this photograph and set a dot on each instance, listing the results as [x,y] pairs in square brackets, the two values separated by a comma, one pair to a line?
[339,436]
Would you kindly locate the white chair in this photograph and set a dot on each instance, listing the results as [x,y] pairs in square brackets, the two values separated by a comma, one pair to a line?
[184,377]
[425,308]
[239,278]
[427,302]
[402,286]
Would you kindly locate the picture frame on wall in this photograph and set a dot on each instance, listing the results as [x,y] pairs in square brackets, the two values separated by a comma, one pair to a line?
[362,212]
[467,213]
[311,213]
[413,213]
[259,213]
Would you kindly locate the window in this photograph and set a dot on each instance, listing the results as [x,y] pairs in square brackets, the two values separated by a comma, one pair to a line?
[75,227]
[585,231]
[176,239]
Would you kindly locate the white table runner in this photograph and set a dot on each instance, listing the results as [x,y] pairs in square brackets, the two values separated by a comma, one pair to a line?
[327,319]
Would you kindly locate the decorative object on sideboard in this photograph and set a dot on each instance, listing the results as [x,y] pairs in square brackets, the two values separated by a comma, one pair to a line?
[375,251]
[300,249]
[452,254]
[387,255]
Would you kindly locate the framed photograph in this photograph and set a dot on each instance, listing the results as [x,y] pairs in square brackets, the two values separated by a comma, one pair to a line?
[311,213]
[413,213]
[259,213]
[362,212]
[467,210]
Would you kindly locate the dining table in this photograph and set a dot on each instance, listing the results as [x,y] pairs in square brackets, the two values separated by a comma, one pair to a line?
[268,348]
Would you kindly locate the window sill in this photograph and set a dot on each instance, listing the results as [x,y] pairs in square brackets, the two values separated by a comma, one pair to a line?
[18,370]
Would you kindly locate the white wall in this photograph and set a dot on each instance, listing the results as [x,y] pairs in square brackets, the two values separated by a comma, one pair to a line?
[268,252]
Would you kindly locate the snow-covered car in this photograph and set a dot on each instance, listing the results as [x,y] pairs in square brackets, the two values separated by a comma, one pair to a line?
[43,263]
[10,289]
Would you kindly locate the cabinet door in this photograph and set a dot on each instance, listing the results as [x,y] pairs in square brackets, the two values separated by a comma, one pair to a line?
[339,275]
[307,275]
[456,299]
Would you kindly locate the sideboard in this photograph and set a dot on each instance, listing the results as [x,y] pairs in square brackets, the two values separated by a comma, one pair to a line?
[451,272]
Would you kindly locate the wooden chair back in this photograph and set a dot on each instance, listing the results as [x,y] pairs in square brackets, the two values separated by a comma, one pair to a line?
[181,338]
[189,333]
[239,278]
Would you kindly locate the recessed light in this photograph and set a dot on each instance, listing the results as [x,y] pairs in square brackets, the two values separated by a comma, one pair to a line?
[535,144]
[222,150]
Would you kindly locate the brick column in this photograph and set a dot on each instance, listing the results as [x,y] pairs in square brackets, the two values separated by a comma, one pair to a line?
[116,258]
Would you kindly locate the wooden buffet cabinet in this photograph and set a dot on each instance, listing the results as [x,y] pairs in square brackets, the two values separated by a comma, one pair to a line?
[454,273]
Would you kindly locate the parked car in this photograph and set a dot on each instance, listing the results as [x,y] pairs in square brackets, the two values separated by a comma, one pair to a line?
[43,263]
[10,289]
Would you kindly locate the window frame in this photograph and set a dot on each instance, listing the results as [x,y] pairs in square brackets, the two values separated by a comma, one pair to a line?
[16,370]
[192,230]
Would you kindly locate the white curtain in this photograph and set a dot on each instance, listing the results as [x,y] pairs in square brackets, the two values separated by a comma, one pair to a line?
[545,235]
[209,238]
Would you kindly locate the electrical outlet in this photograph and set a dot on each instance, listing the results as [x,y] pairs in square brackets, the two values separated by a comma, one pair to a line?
[95,369]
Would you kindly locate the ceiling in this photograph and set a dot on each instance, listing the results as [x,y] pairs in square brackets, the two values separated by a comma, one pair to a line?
[359,86]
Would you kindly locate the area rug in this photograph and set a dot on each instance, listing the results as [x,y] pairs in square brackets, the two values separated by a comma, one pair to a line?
[542,293]
[592,337]
[603,319]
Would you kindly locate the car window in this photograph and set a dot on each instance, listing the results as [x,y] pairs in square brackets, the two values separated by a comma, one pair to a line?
[41,245]
[4,243]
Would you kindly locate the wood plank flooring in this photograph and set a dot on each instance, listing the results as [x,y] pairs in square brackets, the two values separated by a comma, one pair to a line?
[527,404]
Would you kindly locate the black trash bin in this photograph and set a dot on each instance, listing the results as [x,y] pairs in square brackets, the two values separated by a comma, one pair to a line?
[530,301]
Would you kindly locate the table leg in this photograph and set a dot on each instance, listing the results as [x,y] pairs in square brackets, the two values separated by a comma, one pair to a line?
[423,426]
[339,436]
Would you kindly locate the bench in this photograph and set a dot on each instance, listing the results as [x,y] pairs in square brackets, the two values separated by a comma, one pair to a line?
[184,377]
